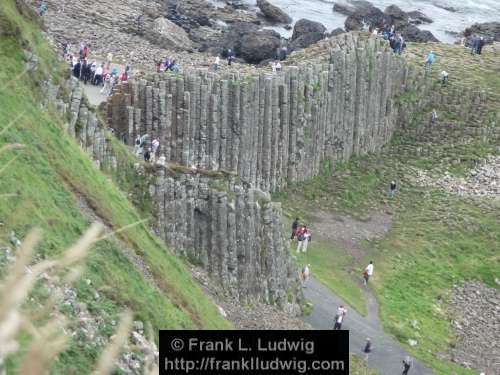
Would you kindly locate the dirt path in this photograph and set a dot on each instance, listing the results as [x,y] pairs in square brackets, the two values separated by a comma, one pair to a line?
[349,234]
[387,354]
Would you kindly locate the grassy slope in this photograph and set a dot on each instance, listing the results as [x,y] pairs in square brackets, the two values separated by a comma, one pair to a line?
[437,239]
[45,176]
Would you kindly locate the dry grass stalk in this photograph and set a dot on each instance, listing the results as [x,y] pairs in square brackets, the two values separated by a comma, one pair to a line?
[110,354]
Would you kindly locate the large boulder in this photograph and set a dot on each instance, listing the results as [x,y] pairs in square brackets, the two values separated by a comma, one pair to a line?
[412,33]
[168,35]
[258,46]
[304,26]
[416,17]
[344,8]
[305,40]
[395,15]
[489,30]
[272,12]
[364,17]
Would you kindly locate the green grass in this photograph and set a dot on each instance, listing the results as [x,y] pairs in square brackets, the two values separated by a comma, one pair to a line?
[336,269]
[437,240]
[358,367]
[46,175]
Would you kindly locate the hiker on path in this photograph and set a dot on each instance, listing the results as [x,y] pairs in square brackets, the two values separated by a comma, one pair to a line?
[304,274]
[106,89]
[295,226]
[368,348]
[407,362]
[339,317]
[338,322]
[147,156]
[429,60]
[303,238]
[368,272]
[392,189]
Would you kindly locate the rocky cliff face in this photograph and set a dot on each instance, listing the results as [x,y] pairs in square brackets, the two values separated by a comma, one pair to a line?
[272,128]
[233,231]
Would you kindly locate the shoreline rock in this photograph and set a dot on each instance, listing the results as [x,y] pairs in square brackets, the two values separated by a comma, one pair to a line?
[273,13]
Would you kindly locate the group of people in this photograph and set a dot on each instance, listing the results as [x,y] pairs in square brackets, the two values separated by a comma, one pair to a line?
[149,152]
[302,234]
[97,74]
[476,45]
[167,64]
[229,57]
[396,40]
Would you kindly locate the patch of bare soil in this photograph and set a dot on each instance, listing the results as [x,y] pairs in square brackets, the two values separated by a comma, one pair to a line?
[348,232]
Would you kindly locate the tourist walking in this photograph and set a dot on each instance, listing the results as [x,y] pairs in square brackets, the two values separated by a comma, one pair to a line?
[368,272]
[430,60]
[303,238]
[368,348]
[339,317]
[474,44]
[147,156]
[392,189]
[99,70]
[338,322]
[295,226]
[407,362]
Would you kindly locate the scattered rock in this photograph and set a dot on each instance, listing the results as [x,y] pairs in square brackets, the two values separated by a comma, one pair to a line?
[474,309]
[483,181]
[272,12]
[336,32]
[305,40]
[412,342]
[364,17]
[167,34]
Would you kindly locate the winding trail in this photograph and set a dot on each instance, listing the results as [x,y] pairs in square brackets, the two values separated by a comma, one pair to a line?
[386,356]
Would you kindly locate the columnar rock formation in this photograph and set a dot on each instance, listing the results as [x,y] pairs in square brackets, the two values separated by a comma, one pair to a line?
[234,232]
[82,123]
[272,128]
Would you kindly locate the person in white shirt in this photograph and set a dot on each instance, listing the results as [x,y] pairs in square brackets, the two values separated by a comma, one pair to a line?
[368,272]
[98,75]
[444,77]
[273,67]
[278,66]
[216,64]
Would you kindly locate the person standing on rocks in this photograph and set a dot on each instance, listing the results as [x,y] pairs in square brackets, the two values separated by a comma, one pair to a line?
[295,226]
[392,189]
[407,362]
[300,237]
[480,45]
[216,63]
[444,77]
[99,70]
[474,44]
[368,272]
[307,239]
[434,117]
